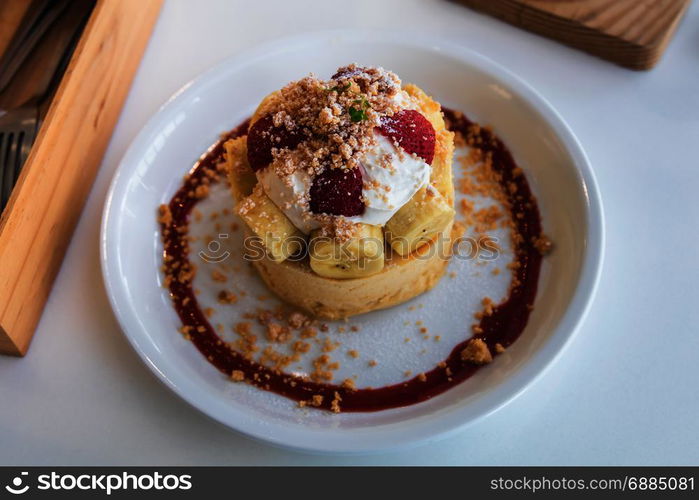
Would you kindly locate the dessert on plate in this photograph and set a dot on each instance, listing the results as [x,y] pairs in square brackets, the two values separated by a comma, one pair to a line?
[345,186]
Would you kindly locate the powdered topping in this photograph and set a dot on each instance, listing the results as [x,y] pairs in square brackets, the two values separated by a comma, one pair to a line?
[334,119]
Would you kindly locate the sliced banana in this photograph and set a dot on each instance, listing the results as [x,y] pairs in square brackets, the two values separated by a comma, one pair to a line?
[418,221]
[240,176]
[360,256]
[441,178]
[280,237]
[267,104]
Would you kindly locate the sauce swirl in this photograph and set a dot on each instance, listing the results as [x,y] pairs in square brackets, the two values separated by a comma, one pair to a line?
[503,326]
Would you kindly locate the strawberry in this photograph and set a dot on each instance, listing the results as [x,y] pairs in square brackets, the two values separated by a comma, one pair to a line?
[337,191]
[263,136]
[347,72]
[412,131]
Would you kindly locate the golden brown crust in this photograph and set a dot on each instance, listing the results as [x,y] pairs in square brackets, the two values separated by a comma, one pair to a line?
[240,176]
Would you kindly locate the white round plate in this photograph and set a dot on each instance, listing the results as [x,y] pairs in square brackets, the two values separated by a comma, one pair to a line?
[192,120]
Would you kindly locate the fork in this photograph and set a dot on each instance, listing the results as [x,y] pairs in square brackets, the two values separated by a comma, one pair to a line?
[17,133]
[31,92]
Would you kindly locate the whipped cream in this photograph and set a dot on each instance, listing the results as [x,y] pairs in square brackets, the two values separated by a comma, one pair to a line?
[388,187]
[288,194]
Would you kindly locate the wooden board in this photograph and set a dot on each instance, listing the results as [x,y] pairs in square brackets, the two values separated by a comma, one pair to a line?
[38,222]
[632,33]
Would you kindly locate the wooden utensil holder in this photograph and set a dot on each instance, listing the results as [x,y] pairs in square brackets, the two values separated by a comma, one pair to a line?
[46,203]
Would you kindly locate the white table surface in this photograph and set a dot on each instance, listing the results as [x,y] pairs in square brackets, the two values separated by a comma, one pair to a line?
[624,392]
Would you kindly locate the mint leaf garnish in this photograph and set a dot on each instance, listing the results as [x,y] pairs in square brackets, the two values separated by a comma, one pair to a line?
[339,89]
[358,114]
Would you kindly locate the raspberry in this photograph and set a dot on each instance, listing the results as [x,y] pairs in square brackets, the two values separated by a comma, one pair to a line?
[337,191]
[263,136]
[412,131]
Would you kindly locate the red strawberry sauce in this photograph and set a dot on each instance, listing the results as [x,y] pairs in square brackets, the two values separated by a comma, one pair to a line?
[504,326]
